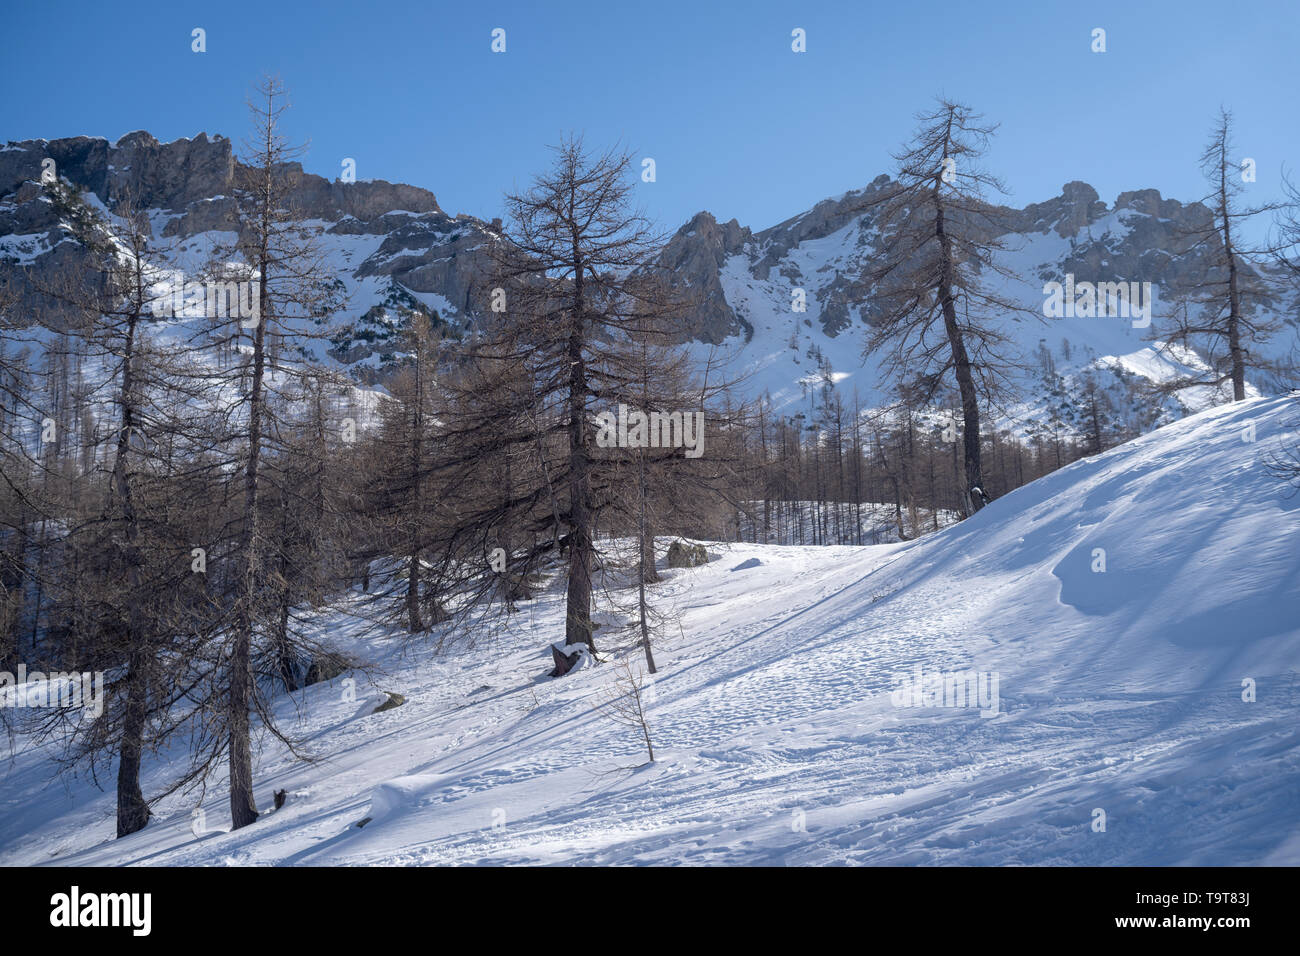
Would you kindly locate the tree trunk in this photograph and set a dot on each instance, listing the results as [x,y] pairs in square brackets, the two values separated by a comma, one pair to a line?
[243,808]
[646,569]
[285,659]
[414,621]
[414,624]
[577,627]
[970,408]
[1235,351]
[132,810]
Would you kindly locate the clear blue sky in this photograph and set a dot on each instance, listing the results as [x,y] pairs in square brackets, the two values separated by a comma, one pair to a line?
[737,122]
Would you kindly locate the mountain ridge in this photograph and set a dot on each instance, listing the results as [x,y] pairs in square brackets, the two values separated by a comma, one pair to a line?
[398,249]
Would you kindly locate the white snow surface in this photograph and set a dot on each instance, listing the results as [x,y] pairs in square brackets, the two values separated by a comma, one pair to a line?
[777,739]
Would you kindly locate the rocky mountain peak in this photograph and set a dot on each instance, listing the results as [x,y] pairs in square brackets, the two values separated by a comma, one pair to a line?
[1077,207]
[398,251]
[179,175]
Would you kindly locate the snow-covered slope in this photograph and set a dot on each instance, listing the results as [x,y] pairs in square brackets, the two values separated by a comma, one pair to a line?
[775,716]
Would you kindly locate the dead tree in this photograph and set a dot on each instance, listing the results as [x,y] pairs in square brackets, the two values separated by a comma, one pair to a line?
[934,317]
[293,291]
[624,701]
[562,277]
[1219,315]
